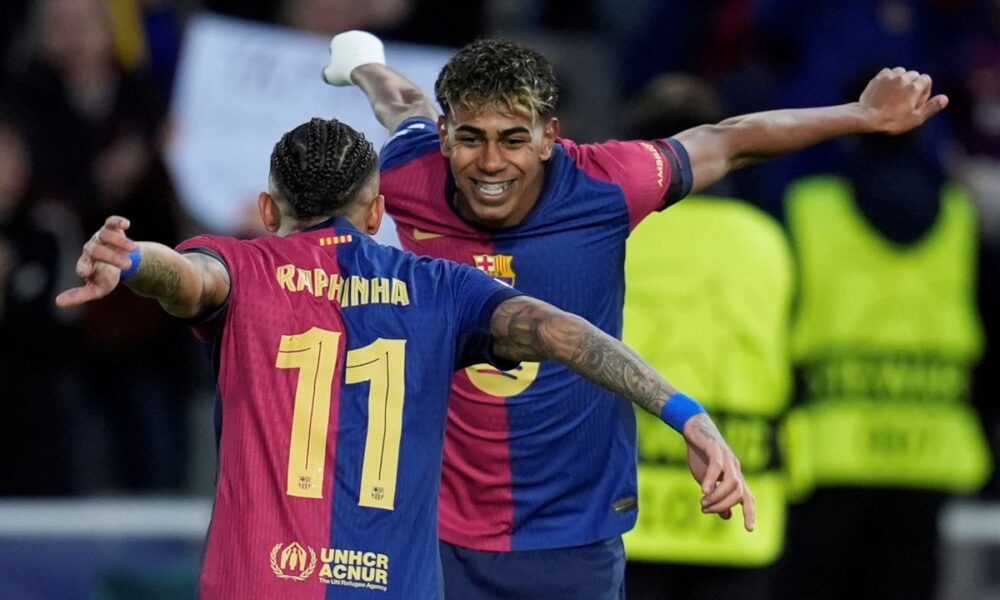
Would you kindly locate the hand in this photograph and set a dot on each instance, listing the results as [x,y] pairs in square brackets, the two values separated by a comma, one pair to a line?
[900,100]
[717,469]
[104,257]
[348,51]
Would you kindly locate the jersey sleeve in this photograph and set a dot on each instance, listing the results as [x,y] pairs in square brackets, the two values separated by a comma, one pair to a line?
[652,174]
[226,251]
[476,296]
[413,138]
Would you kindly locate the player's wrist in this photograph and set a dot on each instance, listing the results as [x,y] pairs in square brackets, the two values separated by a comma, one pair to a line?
[679,409]
[348,51]
[136,257]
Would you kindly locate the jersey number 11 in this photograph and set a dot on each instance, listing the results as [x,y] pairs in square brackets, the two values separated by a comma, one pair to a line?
[314,354]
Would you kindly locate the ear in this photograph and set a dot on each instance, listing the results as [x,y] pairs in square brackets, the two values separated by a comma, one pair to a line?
[549,135]
[270,214]
[373,215]
[442,126]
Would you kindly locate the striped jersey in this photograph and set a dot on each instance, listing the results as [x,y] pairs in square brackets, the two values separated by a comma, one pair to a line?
[334,356]
[537,457]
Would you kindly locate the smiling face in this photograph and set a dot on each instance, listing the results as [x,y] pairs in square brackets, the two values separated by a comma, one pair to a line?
[498,128]
[497,161]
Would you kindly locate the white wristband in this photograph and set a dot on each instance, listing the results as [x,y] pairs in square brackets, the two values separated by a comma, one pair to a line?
[349,50]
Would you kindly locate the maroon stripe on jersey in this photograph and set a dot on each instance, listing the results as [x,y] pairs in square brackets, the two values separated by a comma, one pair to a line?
[476,504]
[263,541]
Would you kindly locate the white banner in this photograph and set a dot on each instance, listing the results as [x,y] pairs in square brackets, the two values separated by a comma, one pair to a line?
[239,87]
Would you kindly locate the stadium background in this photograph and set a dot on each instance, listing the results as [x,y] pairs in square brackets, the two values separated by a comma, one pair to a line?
[165,112]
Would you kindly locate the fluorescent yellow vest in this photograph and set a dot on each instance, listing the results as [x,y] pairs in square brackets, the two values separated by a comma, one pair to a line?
[885,339]
[708,288]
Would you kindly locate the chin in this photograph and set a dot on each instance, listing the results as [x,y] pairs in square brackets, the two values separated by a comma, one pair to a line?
[492,215]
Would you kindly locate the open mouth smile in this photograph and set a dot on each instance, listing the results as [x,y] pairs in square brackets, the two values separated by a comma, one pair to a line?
[492,189]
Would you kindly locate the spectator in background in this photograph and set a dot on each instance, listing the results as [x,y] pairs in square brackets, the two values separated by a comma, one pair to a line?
[34,435]
[885,338]
[83,111]
[94,126]
[732,351]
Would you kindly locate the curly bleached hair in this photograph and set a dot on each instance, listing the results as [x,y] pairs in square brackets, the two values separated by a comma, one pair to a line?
[320,166]
[501,75]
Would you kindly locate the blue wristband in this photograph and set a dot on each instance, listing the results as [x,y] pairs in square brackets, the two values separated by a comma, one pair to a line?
[136,256]
[678,409]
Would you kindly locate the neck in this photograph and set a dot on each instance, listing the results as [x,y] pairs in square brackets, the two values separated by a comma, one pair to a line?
[290,226]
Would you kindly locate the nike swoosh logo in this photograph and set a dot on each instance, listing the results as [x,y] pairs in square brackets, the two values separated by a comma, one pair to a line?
[420,234]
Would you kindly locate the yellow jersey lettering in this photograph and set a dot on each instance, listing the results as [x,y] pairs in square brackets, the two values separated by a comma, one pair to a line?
[320,281]
[400,296]
[336,292]
[305,281]
[284,275]
[346,291]
[359,290]
[380,290]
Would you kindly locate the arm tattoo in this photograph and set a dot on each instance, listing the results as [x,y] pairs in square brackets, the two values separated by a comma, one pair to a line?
[156,279]
[708,429]
[528,329]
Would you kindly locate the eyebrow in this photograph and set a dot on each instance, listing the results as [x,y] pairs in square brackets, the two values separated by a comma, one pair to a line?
[505,133]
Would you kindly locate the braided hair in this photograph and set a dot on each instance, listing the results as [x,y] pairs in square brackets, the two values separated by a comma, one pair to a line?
[320,166]
[499,74]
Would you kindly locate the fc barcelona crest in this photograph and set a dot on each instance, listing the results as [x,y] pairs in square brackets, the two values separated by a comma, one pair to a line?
[500,266]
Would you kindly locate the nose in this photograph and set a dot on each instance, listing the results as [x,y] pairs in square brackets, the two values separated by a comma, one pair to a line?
[491,159]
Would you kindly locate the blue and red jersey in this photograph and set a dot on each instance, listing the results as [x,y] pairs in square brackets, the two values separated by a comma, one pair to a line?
[334,357]
[537,457]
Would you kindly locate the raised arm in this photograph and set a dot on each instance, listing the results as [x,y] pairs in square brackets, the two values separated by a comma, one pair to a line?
[357,57]
[894,101]
[524,328]
[186,285]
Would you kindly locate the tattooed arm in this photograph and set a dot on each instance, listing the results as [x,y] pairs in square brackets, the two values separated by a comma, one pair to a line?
[186,285]
[524,328]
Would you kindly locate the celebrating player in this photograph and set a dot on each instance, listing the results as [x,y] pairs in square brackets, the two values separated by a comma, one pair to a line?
[334,357]
[539,476]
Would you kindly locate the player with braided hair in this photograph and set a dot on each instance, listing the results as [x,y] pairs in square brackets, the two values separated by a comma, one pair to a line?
[523,514]
[320,166]
[334,356]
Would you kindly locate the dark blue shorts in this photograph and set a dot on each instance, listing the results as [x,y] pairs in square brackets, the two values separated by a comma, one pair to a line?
[593,572]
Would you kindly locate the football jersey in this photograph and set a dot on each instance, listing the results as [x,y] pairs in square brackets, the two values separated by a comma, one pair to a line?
[334,357]
[537,457]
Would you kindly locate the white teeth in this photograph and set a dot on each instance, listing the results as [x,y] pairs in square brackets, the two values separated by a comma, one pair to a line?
[492,189]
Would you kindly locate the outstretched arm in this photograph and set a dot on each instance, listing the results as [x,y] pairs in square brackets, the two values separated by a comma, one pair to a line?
[357,57]
[895,101]
[524,328]
[186,285]
[394,98]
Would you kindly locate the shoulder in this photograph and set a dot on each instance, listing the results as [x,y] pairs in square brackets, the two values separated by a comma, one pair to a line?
[209,244]
[413,139]
[615,160]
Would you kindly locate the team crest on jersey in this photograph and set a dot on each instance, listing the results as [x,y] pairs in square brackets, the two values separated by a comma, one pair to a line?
[291,562]
[500,266]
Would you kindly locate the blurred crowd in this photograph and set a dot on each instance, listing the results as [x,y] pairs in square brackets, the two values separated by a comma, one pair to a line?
[98,400]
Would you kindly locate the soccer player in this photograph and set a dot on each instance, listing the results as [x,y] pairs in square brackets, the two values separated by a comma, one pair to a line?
[334,357]
[539,477]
